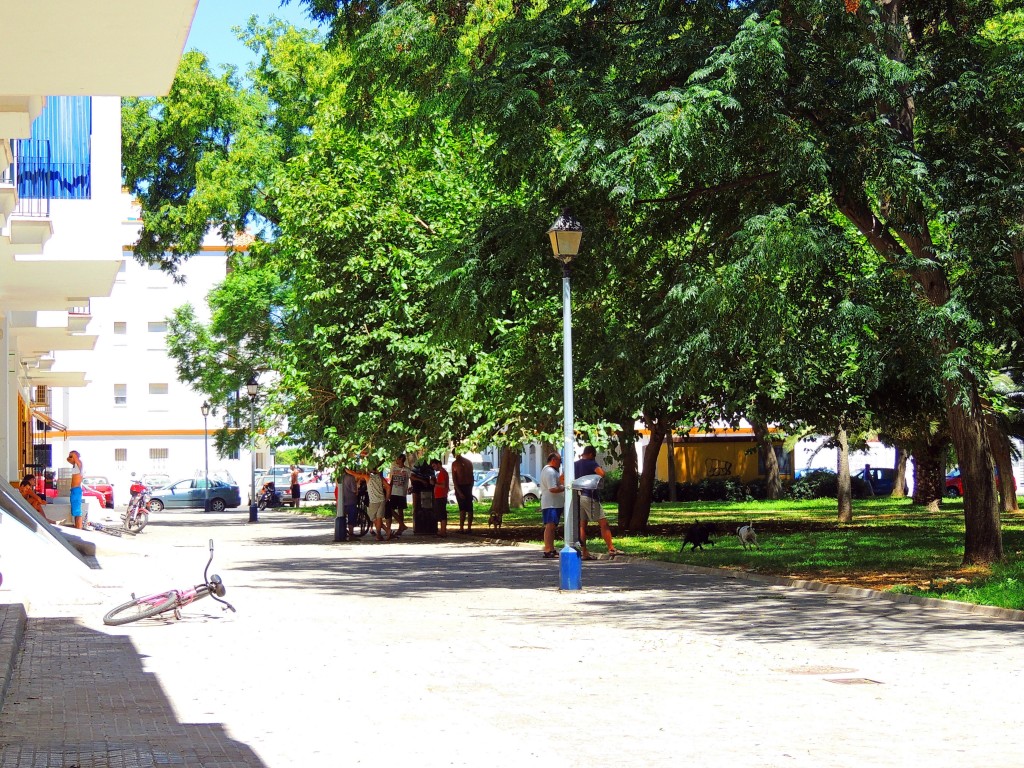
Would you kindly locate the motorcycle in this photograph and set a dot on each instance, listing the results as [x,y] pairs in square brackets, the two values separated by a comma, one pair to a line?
[136,517]
[269,497]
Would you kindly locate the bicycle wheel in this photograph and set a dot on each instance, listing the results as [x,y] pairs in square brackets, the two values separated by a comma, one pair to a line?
[363,524]
[141,608]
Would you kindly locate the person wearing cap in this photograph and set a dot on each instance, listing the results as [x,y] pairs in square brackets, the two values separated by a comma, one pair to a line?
[590,504]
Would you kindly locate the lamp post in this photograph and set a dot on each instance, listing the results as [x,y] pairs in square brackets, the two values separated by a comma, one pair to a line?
[205,409]
[253,388]
[566,234]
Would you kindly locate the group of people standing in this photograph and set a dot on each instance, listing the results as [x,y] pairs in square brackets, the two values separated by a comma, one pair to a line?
[552,502]
[387,495]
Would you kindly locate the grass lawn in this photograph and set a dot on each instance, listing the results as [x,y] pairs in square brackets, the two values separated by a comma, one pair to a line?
[891,545]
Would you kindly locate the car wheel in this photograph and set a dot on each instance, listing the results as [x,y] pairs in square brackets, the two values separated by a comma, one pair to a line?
[312,496]
[529,497]
[217,505]
[952,492]
[155,505]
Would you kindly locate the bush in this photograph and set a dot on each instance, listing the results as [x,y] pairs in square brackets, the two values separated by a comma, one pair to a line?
[612,481]
[822,483]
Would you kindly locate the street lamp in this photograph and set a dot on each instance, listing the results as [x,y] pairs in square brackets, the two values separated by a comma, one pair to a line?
[205,408]
[253,388]
[566,234]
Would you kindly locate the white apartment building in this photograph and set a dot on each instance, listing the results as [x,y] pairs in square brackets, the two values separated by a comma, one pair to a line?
[135,417]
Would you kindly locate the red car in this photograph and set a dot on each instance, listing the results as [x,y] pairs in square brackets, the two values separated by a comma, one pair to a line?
[102,486]
[955,483]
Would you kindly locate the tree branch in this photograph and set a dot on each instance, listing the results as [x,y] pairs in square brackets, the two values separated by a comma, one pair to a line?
[693,194]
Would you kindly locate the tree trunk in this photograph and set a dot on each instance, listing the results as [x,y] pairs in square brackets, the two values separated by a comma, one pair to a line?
[1001,454]
[642,510]
[671,466]
[899,486]
[983,538]
[930,474]
[506,468]
[628,486]
[844,494]
[773,483]
[515,495]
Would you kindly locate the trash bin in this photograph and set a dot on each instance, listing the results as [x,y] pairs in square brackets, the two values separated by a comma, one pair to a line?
[570,561]
[424,522]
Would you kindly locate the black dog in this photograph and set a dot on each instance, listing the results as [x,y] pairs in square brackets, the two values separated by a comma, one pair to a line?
[698,535]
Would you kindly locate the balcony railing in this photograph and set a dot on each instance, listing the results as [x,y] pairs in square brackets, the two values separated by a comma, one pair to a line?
[31,166]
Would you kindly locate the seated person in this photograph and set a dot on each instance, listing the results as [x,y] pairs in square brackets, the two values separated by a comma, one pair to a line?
[27,488]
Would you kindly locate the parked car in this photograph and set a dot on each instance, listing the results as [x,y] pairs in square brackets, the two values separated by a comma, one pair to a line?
[797,474]
[955,483]
[483,489]
[155,479]
[191,494]
[310,490]
[882,480]
[101,484]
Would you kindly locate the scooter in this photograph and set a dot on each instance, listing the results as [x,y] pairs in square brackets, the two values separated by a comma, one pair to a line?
[269,497]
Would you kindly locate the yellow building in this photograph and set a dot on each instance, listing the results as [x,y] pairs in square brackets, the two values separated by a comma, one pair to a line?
[719,453]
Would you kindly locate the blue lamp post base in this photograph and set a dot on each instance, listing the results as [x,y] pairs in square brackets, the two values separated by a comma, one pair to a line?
[570,569]
[253,513]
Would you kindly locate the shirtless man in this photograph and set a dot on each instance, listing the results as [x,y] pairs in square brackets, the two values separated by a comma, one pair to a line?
[462,479]
[75,460]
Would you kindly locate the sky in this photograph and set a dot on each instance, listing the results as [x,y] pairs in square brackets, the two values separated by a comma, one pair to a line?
[211,28]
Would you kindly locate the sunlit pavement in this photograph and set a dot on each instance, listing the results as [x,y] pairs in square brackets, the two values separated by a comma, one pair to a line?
[449,652]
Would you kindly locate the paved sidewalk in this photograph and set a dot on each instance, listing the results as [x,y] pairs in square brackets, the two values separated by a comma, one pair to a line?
[448,653]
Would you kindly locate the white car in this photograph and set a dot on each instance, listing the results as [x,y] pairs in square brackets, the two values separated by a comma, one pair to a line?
[483,488]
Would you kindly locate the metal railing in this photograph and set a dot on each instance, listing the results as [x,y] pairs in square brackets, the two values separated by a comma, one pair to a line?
[31,173]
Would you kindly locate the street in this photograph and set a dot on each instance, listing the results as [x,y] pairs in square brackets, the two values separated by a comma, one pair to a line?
[449,653]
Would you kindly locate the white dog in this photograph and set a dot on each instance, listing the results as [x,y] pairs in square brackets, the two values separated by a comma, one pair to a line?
[747,535]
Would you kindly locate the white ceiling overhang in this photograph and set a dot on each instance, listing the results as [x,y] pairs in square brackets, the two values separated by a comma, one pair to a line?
[90,47]
[36,282]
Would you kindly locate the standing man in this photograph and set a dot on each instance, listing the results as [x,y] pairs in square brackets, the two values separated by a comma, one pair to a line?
[377,488]
[295,485]
[349,490]
[440,495]
[552,501]
[590,504]
[462,479]
[399,477]
[75,460]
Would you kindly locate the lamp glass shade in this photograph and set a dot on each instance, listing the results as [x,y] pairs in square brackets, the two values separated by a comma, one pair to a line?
[252,387]
[566,234]
[205,408]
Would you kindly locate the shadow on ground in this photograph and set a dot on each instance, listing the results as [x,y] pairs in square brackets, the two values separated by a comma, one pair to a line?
[82,698]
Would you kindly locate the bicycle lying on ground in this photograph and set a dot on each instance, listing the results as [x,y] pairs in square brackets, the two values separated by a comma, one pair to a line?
[171,600]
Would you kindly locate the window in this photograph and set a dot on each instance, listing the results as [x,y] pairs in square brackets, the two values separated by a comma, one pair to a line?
[121,394]
[121,455]
[159,454]
[233,455]
[159,326]
[158,389]
[120,327]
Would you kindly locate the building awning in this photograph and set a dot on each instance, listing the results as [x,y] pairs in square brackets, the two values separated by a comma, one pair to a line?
[49,421]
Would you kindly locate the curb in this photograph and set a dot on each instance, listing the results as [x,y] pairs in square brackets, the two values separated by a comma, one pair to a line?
[13,619]
[842,590]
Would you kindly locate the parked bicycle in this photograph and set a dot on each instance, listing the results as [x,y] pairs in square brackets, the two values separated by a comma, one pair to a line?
[362,524]
[136,517]
[171,600]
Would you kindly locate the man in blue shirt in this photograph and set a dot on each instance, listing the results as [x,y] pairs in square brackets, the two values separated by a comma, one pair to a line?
[590,504]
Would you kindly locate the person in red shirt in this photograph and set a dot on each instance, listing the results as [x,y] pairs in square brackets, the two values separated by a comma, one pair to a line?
[440,496]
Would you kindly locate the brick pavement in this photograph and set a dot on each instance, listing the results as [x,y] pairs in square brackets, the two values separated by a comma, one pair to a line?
[433,653]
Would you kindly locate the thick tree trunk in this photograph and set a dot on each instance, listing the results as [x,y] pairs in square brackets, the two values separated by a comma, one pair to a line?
[773,483]
[930,474]
[628,487]
[899,486]
[671,466]
[515,492]
[844,494]
[507,465]
[983,538]
[642,510]
[1001,454]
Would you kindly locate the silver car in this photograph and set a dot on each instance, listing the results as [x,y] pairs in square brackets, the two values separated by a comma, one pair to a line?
[483,488]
